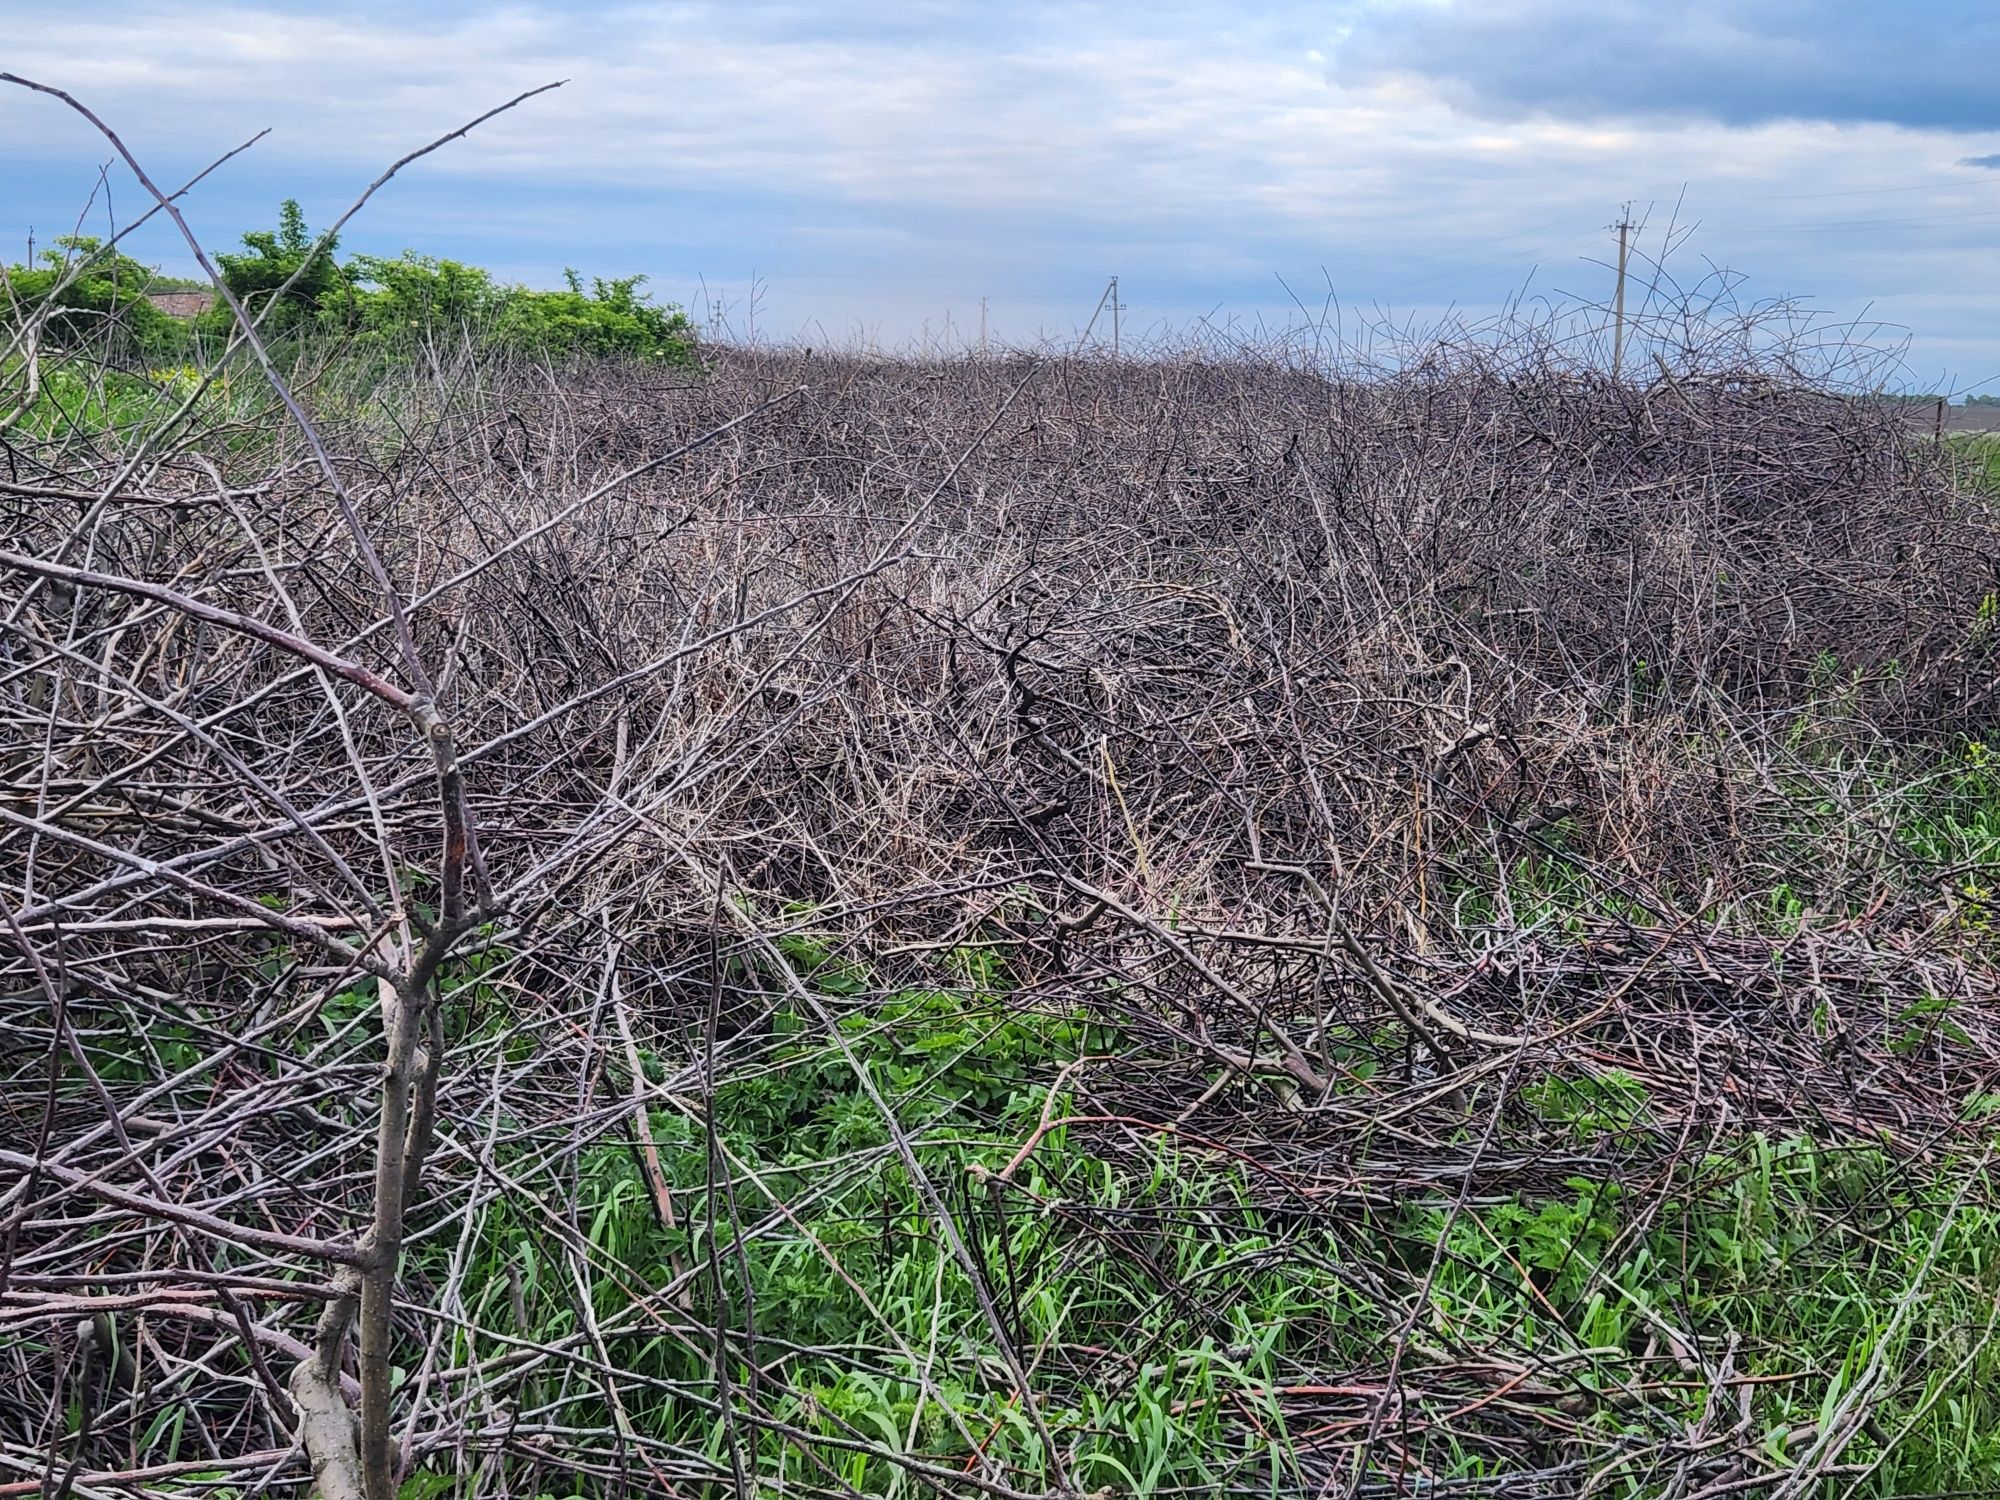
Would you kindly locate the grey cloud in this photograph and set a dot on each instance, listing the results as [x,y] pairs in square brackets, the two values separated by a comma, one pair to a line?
[1741,64]
[886,169]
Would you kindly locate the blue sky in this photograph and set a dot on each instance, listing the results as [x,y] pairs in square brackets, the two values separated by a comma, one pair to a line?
[879,168]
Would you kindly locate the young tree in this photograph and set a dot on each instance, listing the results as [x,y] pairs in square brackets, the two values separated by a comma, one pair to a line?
[282,260]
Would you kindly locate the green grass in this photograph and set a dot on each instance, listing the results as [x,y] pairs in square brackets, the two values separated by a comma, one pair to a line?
[1175,1302]
[1979,453]
[1171,1305]
[72,400]
[1184,1316]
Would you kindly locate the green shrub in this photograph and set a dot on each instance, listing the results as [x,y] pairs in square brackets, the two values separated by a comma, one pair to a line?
[275,257]
[614,318]
[97,293]
[384,299]
[388,298]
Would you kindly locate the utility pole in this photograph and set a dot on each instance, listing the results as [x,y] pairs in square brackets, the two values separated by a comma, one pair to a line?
[1108,299]
[1624,228]
[982,327]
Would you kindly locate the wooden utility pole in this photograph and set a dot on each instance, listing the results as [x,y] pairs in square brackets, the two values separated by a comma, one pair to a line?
[1116,308]
[982,327]
[1624,228]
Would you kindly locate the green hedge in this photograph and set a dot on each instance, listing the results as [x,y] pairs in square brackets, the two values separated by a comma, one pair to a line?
[101,294]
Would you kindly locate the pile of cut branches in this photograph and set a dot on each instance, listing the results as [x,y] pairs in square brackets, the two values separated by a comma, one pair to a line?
[1005,926]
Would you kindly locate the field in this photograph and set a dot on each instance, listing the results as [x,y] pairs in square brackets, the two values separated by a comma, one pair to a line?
[1202,924]
[1980,453]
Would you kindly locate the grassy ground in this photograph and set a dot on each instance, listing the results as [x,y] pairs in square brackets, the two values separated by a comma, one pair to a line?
[1982,457]
[1195,1322]
[1194,1328]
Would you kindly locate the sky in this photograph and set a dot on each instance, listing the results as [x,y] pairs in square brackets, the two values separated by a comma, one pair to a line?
[854,172]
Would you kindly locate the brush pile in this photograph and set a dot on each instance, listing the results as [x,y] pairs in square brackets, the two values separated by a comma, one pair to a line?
[1305,888]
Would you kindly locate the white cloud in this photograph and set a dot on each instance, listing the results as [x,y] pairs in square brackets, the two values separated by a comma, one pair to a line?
[970,148]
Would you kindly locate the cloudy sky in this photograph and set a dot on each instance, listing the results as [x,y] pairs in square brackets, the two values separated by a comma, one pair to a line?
[875,169]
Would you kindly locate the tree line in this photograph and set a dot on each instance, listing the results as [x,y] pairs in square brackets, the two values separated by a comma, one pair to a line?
[294,283]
